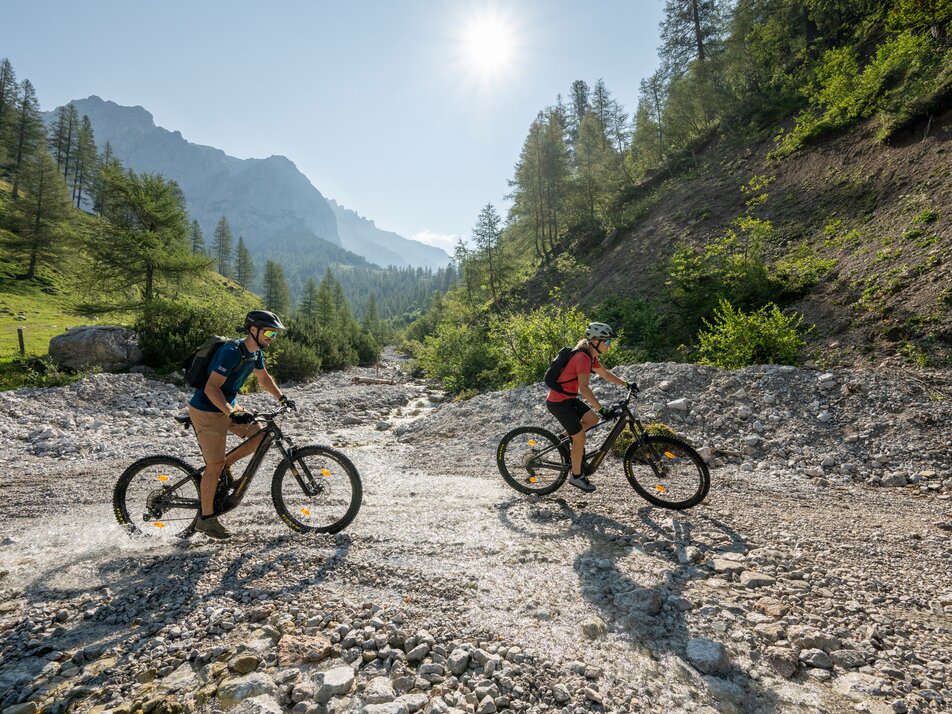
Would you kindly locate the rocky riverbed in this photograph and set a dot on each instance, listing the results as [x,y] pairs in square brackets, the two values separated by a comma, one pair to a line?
[814,578]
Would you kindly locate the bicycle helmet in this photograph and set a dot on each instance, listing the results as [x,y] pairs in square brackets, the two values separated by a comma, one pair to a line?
[263,318]
[599,331]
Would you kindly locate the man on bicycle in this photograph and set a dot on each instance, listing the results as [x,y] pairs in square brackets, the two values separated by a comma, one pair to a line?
[214,412]
[571,412]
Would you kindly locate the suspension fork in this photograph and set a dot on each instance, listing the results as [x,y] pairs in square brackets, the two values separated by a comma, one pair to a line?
[310,485]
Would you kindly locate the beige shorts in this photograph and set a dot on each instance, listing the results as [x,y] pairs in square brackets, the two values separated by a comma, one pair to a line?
[211,429]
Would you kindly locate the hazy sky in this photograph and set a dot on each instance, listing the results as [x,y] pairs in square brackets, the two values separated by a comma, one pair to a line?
[410,112]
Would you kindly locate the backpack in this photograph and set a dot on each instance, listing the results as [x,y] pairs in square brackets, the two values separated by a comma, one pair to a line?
[196,364]
[554,371]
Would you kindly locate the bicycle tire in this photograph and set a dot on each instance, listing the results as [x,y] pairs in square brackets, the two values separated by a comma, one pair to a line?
[138,496]
[684,480]
[515,461]
[339,491]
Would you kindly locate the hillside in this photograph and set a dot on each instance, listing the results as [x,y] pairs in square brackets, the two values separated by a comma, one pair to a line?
[880,211]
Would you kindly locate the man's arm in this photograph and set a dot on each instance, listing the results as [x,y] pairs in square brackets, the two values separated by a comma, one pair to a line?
[267,383]
[214,393]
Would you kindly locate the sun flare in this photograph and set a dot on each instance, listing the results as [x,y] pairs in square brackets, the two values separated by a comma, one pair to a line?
[488,44]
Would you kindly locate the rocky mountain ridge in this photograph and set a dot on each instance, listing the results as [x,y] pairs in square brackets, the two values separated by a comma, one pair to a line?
[268,202]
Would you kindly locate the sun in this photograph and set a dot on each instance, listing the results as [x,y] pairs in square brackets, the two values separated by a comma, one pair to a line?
[488,43]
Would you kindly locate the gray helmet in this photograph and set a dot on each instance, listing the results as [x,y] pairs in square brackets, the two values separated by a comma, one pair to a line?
[263,318]
[599,331]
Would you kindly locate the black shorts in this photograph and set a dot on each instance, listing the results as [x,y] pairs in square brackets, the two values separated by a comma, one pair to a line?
[569,414]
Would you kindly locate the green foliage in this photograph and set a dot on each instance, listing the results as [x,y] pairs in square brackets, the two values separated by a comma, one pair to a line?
[736,339]
[646,333]
[655,428]
[169,330]
[462,357]
[528,342]
[926,216]
[36,372]
[905,68]
[291,361]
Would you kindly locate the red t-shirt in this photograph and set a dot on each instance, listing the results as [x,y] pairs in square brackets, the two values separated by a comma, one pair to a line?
[580,363]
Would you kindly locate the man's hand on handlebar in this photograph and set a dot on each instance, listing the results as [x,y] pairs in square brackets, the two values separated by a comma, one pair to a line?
[241,417]
[289,403]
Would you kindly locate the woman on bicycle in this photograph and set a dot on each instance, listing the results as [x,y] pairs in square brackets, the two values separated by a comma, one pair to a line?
[214,412]
[568,409]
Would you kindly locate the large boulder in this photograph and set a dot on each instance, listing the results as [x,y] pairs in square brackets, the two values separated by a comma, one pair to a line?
[110,348]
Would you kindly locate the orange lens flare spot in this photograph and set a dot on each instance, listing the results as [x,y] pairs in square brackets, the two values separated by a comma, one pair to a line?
[159,524]
[325,472]
[306,511]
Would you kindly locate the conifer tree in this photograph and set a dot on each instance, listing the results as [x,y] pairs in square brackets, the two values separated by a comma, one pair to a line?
[85,159]
[9,99]
[307,308]
[28,133]
[276,295]
[486,237]
[197,238]
[146,243]
[222,247]
[104,160]
[41,214]
[325,300]
[245,269]
[689,31]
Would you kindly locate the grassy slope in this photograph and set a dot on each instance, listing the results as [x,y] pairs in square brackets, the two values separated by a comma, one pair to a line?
[892,289]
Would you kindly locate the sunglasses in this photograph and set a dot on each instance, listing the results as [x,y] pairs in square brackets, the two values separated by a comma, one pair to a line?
[608,343]
[270,334]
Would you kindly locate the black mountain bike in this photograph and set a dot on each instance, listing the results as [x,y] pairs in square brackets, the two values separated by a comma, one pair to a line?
[314,488]
[664,470]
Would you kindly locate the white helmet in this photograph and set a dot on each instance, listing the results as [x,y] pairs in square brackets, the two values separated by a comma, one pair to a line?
[599,331]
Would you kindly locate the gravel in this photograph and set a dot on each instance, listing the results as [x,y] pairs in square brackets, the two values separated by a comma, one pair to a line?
[813,578]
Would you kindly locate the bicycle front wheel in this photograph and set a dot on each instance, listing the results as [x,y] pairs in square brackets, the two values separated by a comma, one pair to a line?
[158,497]
[531,460]
[317,491]
[667,472]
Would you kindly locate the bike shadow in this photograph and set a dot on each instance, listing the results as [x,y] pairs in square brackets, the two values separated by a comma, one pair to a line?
[117,606]
[651,612]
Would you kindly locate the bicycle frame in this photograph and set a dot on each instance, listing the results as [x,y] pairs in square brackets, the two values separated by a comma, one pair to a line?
[594,458]
[272,435]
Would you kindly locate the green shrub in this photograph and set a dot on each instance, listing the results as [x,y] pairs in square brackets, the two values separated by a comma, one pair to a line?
[462,357]
[646,333]
[528,342]
[169,331]
[291,361]
[737,339]
[926,216]
[624,440]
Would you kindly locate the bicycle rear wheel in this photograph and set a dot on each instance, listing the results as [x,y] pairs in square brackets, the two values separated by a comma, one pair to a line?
[531,460]
[667,472]
[318,490]
[158,497]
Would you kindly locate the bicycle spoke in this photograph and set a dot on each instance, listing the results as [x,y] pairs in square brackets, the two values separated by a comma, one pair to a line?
[319,490]
[667,472]
[157,497]
[531,460]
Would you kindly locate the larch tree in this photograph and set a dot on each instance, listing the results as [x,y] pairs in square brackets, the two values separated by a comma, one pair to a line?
[276,295]
[222,247]
[244,267]
[85,161]
[9,99]
[197,238]
[41,214]
[27,135]
[307,307]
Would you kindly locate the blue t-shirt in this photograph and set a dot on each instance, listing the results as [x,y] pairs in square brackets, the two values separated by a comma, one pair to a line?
[235,361]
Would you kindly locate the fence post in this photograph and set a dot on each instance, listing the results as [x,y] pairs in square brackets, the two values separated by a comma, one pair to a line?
[20,338]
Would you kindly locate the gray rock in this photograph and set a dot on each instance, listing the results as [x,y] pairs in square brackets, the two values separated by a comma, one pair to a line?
[232,691]
[458,661]
[848,659]
[261,704]
[379,691]
[753,579]
[386,708]
[333,683]
[781,660]
[708,656]
[593,628]
[640,600]
[110,348]
[816,658]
